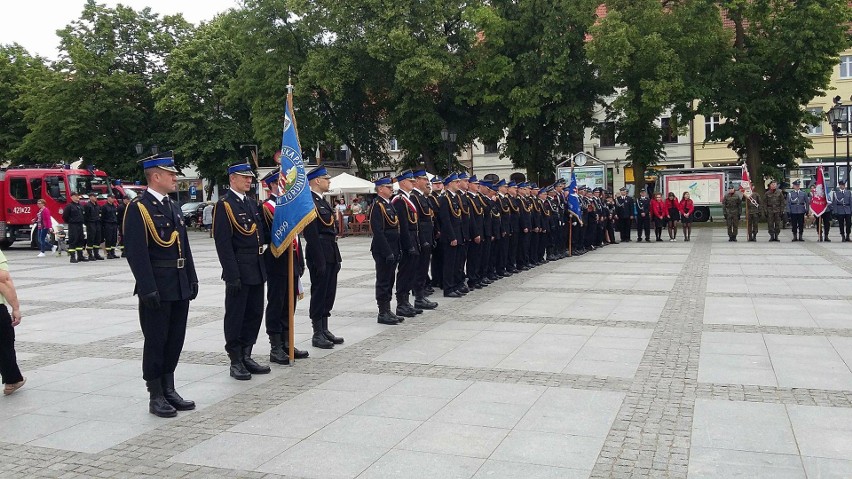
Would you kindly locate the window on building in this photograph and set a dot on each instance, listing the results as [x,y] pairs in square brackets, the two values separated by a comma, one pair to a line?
[846,66]
[669,133]
[606,132]
[393,145]
[710,124]
[816,130]
[490,148]
[18,189]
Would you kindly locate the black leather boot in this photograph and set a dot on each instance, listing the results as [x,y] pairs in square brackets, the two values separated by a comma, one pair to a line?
[385,314]
[97,254]
[81,257]
[252,365]
[277,354]
[238,369]
[334,339]
[297,353]
[172,397]
[91,255]
[111,254]
[157,405]
[319,340]
[73,255]
[422,302]
[403,308]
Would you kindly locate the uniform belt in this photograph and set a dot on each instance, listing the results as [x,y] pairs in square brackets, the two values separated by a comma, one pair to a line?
[258,250]
[171,263]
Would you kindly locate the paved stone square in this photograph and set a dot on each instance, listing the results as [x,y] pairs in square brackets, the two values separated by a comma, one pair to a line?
[706,359]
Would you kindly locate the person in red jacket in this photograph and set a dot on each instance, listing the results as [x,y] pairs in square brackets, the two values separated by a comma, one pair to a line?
[687,207]
[658,214]
[673,209]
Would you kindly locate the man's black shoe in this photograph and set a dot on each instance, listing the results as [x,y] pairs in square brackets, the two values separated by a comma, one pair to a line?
[452,294]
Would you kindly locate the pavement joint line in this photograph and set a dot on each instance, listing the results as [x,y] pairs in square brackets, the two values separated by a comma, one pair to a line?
[661,399]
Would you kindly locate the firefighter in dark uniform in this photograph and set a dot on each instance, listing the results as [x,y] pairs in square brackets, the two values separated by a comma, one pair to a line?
[409,242]
[513,264]
[477,234]
[450,215]
[437,252]
[109,224]
[323,259]
[277,317]
[426,235]
[467,229]
[643,216]
[72,215]
[486,263]
[384,223]
[239,237]
[504,265]
[92,214]
[161,261]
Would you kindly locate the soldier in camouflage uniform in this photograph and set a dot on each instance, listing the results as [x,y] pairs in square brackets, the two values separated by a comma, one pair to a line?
[731,206]
[754,209]
[774,208]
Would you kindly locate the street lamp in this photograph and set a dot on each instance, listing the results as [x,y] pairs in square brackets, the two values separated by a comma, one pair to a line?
[839,115]
[449,137]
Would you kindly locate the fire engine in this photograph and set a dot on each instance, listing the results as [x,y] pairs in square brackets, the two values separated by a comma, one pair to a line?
[21,187]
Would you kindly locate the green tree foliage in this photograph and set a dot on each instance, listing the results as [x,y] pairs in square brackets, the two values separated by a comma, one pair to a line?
[207,121]
[98,104]
[780,58]
[19,72]
[654,54]
[534,81]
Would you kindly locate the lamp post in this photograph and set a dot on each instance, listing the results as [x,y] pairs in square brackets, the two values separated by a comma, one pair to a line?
[449,137]
[839,115]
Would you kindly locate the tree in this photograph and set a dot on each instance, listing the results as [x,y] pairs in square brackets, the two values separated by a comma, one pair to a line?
[19,72]
[656,55]
[536,85]
[207,121]
[98,104]
[780,58]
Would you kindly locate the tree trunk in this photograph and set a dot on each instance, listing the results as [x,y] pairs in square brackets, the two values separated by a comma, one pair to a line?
[638,177]
[753,163]
[429,162]
[211,186]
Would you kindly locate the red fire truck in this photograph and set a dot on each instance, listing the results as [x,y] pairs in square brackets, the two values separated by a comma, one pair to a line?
[21,187]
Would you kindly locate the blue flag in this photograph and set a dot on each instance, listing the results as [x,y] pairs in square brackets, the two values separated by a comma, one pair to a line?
[573,198]
[294,207]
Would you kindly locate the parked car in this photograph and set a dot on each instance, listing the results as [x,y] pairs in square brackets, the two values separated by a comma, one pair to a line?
[192,213]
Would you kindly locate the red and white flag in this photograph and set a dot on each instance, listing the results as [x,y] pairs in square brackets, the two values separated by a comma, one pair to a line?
[819,204]
[745,184]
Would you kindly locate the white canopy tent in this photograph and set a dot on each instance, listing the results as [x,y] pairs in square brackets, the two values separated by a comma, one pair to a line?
[345,183]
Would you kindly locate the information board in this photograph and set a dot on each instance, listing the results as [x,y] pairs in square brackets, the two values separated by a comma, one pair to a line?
[702,188]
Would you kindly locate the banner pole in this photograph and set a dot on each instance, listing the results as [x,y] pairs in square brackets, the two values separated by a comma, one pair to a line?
[291,306]
[570,235]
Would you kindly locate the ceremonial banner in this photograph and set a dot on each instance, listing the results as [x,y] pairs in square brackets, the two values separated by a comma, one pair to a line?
[819,204]
[573,198]
[745,186]
[294,207]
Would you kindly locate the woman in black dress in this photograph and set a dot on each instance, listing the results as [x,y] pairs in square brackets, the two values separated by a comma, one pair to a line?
[673,209]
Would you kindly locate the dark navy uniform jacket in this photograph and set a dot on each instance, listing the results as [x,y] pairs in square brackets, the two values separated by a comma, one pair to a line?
[384,223]
[239,235]
[142,247]
[321,234]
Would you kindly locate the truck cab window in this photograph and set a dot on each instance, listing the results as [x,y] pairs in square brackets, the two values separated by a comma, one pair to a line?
[18,190]
[35,187]
[56,188]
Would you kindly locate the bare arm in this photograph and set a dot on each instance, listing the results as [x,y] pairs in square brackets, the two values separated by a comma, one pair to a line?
[7,289]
